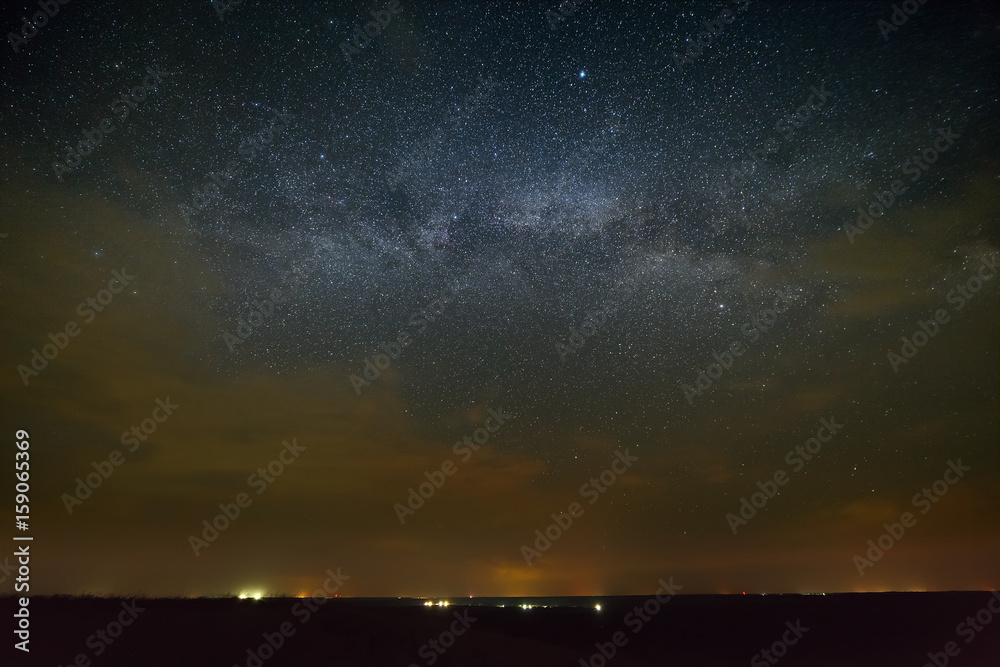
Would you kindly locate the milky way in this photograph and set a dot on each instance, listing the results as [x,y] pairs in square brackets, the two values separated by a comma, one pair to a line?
[487,180]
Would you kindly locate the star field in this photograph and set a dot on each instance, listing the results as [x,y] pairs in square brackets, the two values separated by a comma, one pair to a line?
[540,174]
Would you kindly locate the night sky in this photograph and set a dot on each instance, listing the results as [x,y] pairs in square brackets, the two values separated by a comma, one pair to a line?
[524,244]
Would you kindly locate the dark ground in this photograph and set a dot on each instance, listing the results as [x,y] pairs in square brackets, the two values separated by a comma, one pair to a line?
[882,630]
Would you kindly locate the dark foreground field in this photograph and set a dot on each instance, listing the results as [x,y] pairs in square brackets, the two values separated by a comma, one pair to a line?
[866,629]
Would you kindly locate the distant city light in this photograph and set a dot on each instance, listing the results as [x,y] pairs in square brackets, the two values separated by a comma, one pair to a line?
[597,607]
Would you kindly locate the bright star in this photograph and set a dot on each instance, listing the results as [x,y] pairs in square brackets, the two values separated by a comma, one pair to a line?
[582,74]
